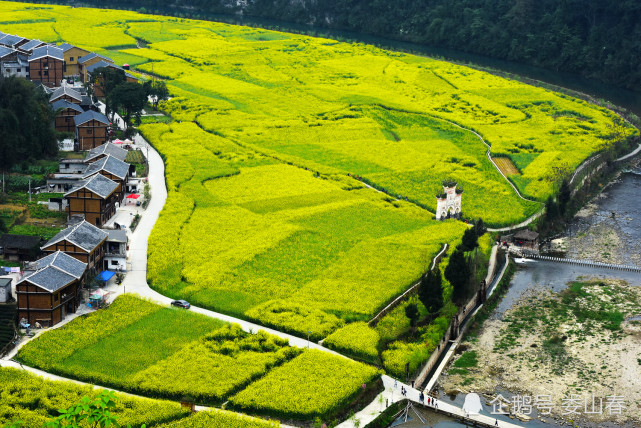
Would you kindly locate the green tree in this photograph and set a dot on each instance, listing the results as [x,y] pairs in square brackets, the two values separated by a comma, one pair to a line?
[130,97]
[411,312]
[470,239]
[430,290]
[457,273]
[479,227]
[551,209]
[107,79]
[25,123]
[564,197]
[157,90]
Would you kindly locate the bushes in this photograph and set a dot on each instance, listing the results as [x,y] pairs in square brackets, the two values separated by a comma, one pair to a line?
[221,419]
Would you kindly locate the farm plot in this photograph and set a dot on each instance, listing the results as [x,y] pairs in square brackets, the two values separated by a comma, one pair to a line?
[160,352]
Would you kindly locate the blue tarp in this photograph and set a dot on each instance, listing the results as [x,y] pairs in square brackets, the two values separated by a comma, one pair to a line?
[105,275]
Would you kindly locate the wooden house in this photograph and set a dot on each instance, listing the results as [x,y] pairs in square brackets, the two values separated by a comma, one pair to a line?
[112,168]
[91,129]
[65,113]
[19,247]
[66,93]
[47,65]
[107,149]
[88,60]
[95,198]
[527,239]
[82,241]
[51,291]
[72,54]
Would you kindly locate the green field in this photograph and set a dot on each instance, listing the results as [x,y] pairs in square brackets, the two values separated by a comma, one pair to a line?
[161,352]
[264,218]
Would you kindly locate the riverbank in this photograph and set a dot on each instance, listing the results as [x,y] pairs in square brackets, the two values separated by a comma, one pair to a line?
[577,341]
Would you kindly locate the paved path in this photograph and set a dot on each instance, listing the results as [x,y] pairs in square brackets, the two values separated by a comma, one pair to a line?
[629,155]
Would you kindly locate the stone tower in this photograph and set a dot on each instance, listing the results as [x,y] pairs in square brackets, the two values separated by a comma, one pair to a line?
[448,203]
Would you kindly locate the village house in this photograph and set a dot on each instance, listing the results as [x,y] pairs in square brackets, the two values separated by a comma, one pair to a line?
[112,168]
[51,291]
[88,60]
[13,62]
[72,54]
[91,129]
[65,113]
[116,250]
[107,149]
[47,65]
[67,94]
[19,247]
[527,239]
[95,198]
[81,240]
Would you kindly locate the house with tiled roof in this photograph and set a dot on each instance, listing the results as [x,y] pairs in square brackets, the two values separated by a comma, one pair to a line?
[50,291]
[95,198]
[46,65]
[107,149]
[91,129]
[19,247]
[112,168]
[66,93]
[65,113]
[72,54]
[13,62]
[87,61]
[81,240]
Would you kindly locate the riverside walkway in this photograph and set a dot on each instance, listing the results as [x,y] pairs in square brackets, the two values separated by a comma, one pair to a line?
[581,262]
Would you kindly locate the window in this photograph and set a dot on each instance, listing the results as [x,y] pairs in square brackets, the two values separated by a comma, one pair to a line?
[114,262]
[45,73]
[18,70]
[70,59]
[89,131]
[56,297]
[67,119]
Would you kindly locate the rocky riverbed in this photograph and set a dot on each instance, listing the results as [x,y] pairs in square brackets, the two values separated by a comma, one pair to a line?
[575,344]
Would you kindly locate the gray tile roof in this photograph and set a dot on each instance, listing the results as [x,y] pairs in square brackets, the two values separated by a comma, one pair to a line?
[83,234]
[65,90]
[4,51]
[107,149]
[117,235]
[90,115]
[100,64]
[23,242]
[11,40]
[65,47]
[98,184]
[92,55]
[64,104]
[109,164]
[56,271]
[29,46]
[50,51]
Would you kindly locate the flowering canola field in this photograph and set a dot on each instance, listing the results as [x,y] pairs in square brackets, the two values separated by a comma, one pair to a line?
[264,218]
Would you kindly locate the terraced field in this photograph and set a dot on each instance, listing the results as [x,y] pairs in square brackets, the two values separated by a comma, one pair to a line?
[273,136]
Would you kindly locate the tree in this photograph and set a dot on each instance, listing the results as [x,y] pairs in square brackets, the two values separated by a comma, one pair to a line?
[107,79]
[470,240]
[130,97]
[457,273]
[551,209]
[564,197]
[25,123]
[430,290]
[479,228]
[156,90]
[411,312]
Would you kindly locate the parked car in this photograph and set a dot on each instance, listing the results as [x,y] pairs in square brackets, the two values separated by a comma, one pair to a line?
[181,304]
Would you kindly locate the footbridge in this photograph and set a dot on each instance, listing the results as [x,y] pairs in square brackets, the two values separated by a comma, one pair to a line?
[533,256]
